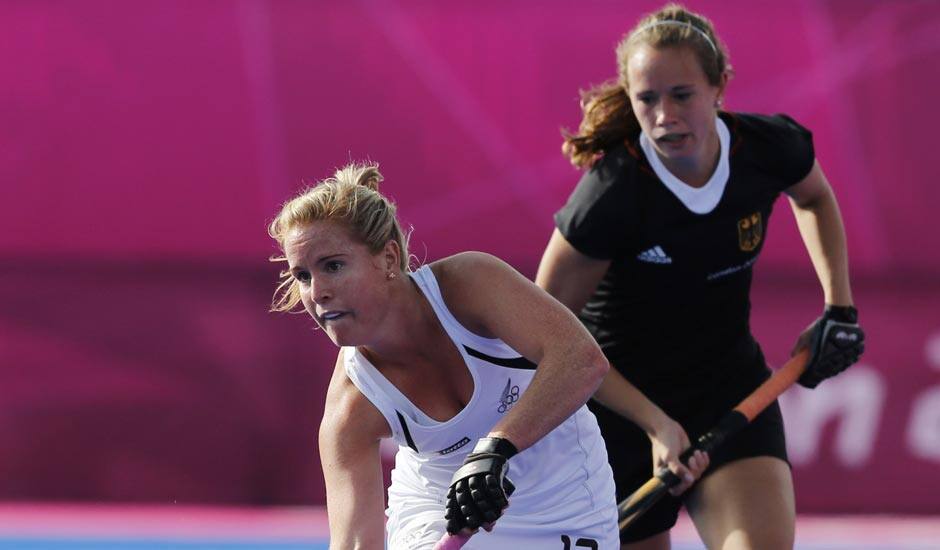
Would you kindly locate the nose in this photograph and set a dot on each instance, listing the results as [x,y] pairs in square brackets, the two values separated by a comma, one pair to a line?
[320,292]
[666,112]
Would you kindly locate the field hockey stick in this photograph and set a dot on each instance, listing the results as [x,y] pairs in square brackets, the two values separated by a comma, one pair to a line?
[456,542]
[451,542]
[643,498]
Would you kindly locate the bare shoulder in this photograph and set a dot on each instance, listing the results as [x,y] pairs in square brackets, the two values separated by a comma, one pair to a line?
[348,414]
[470,280]
[469,269]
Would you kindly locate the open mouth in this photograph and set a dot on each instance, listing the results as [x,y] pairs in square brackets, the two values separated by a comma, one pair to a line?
[672,140]
[331,316]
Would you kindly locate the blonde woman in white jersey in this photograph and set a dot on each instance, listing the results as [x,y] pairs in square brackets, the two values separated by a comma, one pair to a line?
[443,360]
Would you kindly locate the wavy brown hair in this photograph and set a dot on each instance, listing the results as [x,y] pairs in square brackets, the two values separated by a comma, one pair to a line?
[608,117]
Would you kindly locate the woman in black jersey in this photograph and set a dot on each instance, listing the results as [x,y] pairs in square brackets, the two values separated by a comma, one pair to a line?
[655,249]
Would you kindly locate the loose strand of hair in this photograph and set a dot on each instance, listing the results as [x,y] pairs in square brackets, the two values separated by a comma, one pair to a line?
[286,295]
[607,119]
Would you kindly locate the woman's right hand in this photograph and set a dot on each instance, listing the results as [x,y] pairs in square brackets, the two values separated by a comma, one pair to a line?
[669,440]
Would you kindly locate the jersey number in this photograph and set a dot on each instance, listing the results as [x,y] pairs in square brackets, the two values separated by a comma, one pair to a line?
[580,543]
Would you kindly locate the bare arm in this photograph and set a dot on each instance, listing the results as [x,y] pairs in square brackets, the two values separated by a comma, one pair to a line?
[349,452]
[572,277]
[568,275]
[817,216]
[492,299]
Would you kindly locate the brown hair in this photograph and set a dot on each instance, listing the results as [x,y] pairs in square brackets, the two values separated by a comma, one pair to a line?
[608,117]
[351,196]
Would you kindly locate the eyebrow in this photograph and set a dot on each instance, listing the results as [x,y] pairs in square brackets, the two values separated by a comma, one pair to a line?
[322,259]
[677,88]
[319,260]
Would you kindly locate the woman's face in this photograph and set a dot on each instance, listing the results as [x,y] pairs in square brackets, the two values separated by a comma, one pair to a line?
[343,286]
[675,105]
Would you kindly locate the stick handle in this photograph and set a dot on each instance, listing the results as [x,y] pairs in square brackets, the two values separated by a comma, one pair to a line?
[650,492]
[451,542]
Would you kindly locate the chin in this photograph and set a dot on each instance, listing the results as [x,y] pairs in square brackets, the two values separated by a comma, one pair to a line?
[338,343]
[684,155]
[338,340]
[342,338]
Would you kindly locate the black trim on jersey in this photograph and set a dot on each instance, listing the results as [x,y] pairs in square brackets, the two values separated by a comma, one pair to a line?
[404,427]
[514,363]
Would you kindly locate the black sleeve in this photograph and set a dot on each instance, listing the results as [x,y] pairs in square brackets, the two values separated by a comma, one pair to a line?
[791,150]
[595,218]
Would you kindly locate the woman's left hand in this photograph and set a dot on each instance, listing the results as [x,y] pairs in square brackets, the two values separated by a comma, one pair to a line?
[835,341]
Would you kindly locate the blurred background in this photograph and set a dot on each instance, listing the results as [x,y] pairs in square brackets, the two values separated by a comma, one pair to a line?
[145,145]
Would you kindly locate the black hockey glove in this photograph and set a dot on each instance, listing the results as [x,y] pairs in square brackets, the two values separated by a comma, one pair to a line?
[480,490]
[836,343]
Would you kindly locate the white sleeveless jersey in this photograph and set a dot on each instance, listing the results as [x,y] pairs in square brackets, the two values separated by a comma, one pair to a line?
[564,486]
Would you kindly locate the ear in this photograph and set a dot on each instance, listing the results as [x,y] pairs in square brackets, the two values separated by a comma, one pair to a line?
[725,77]
[391,255]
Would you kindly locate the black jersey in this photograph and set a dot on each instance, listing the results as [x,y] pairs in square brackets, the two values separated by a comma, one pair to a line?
[674,304]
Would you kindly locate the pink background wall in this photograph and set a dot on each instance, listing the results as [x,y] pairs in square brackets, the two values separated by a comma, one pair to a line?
[143,147]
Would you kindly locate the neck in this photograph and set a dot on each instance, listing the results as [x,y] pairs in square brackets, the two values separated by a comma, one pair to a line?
[697,170]
[409,319]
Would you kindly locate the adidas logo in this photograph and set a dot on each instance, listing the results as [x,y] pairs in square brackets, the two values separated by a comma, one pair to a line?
[654,255]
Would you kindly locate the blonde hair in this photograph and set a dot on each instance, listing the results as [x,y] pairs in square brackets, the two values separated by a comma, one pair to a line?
[352,197]
[608,117]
